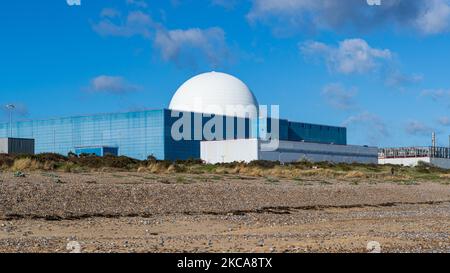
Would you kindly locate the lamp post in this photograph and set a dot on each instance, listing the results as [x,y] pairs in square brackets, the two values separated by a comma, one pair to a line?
[10,108]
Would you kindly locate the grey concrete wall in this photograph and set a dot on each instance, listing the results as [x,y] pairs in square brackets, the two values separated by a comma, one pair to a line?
[3,145]
[414,161]
[293,151]
[229,151]
[407,161]
[441,162]
[16,146]
[21,146]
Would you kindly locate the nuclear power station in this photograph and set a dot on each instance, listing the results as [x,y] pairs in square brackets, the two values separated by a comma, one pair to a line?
[214,117]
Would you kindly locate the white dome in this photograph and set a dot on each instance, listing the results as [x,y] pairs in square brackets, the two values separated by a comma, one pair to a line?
[215,93]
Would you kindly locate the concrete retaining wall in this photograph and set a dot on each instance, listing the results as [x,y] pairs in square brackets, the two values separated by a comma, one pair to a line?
[247,150]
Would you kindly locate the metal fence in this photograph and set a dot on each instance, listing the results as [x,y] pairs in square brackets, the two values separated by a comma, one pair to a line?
[414,152]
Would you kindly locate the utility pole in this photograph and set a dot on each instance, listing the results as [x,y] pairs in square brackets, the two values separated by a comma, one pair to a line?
[10,108]
[433,140]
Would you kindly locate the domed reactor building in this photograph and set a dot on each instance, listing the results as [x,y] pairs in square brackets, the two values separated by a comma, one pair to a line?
[213,116]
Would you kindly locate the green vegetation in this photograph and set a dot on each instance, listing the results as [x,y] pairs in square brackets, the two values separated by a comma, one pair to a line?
[51,162]
[181,180]
[410,183]
[216,177]
[300,172]
[272,180]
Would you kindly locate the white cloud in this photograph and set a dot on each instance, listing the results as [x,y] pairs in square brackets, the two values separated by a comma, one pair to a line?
[339,97]
[136,23]
[437,95]
[426,17]
[415,127]
[350,57]
[399,79]
[112,85]
[436,17]
[185,46]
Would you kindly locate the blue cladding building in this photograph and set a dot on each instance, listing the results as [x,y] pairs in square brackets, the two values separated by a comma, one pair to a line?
[135,134]
[144,133]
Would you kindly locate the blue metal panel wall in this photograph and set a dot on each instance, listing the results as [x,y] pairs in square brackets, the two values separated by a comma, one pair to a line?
[137,134]
[183,149]
[190,149]
[297,131]
[317,133]
[90,151]
[266,128]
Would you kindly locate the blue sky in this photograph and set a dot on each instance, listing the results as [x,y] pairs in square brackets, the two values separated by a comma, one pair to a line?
[382,71]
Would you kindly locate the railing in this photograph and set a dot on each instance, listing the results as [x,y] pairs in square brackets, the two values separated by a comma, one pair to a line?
[414,152]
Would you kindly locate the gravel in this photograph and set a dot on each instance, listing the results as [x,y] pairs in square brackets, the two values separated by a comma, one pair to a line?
[136,212]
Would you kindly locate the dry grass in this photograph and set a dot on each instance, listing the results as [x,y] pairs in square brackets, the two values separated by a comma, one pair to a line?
[142,169]
[444,176]
[356,175]
[25,164]
[156,168]
[290,172]
[295,171]
[320,173]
